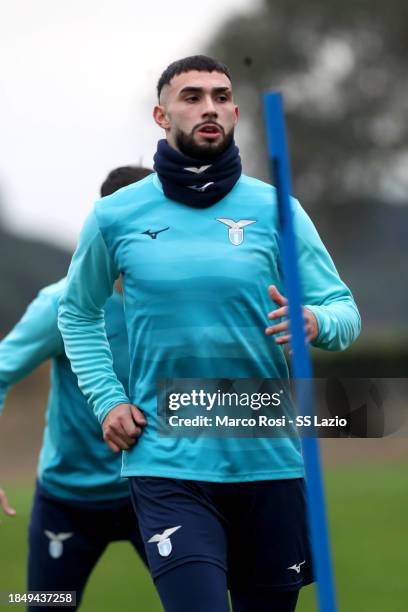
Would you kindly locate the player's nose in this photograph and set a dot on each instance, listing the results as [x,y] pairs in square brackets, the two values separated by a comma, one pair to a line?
[209,107]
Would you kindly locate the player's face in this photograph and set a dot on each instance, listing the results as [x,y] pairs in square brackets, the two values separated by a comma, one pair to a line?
[197,111]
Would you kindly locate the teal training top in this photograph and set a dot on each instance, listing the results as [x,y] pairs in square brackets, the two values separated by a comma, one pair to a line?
[75,462]
[196,304]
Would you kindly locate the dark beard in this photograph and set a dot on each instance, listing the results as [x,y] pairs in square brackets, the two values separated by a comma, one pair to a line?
[205,152]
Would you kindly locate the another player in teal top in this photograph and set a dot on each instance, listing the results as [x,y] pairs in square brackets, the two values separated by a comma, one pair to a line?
[74,462]
[78,475]
[197,244]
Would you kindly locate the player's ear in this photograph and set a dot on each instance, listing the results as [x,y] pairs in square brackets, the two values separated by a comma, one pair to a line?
[160,117]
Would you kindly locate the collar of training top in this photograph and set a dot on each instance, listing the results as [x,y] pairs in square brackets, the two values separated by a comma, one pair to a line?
[193,182]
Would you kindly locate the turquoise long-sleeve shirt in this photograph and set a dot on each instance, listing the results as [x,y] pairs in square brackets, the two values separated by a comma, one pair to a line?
[75,462]
[196,304]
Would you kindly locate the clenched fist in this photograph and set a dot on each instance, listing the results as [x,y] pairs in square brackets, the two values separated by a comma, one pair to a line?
[122,426]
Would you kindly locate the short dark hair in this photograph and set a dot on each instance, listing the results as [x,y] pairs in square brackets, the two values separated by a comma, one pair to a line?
[122,176]
[202,63]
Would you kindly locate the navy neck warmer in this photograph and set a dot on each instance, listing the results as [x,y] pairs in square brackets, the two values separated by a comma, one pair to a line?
[195,182]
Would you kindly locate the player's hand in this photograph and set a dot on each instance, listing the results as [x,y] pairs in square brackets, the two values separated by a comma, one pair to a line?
[311,325]
[4,504]
[122,426]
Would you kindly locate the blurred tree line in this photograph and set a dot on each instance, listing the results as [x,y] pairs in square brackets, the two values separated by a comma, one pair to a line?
[342,69]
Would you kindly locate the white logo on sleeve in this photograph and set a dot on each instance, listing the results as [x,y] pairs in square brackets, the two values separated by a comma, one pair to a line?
[163,541]
[296,567]
[56,547]
[236,232]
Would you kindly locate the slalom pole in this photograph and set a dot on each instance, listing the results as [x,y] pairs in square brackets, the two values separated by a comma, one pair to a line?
[301,361]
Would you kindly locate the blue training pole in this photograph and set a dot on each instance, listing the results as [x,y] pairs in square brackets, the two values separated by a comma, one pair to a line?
[301,361]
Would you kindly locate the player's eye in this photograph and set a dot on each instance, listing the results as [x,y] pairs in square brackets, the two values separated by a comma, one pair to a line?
[222,98]
[192,99]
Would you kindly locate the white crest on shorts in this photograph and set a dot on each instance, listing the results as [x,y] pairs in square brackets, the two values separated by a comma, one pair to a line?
[236,232]
[56,539]
[296,566]
[163,541]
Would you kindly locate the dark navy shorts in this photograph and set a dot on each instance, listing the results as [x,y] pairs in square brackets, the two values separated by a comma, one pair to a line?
[66,539]
[255,531]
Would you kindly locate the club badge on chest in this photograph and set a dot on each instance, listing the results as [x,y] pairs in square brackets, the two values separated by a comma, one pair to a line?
[236,229]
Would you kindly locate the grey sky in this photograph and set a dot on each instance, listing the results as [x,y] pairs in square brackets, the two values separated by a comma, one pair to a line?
[77,85]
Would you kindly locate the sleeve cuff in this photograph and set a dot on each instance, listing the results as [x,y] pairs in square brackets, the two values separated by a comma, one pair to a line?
[323,323]
[102,413]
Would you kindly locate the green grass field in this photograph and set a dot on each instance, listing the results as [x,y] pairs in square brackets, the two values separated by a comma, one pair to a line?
[368,509]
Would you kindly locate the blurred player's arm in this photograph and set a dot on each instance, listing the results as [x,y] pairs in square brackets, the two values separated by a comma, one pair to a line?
[4,504]
[32,341]
[81,321]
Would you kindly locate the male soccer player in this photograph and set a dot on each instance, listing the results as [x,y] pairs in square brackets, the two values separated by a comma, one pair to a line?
[197,244]
[81,503]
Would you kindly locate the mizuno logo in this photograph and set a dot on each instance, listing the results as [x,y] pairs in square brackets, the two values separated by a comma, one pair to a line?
[154,234]
[236,233]
[198,170]
[163,541]
[55,547]
[201,188]
[296,567]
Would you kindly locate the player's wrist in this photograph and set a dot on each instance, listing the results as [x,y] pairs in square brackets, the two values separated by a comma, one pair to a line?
[102,413]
